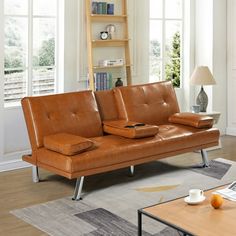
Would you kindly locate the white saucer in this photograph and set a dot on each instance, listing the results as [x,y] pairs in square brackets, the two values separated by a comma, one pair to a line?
[187,200]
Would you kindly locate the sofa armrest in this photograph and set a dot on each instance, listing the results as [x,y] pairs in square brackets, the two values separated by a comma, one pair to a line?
[129,129]
[67,144]
[192,119]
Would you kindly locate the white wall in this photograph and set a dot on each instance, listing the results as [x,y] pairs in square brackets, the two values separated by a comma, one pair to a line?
[231,98]
[71,39]
[219,91]
[210,50]
[186,100]
[204,40]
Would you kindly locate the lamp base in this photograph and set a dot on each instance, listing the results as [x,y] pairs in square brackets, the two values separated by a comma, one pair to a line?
[202,100]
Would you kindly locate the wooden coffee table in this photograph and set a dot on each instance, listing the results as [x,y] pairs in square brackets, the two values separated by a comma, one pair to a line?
[200,219]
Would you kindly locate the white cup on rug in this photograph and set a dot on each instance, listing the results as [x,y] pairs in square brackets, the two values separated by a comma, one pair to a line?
[195,195]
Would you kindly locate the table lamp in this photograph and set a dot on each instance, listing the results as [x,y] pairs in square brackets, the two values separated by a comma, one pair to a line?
[202,76]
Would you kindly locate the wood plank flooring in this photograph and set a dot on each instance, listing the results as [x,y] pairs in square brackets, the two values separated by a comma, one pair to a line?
[18,191]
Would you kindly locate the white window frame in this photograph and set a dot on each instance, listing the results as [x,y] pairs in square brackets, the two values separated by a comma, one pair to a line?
[30,67]
[164,56]
[1,81]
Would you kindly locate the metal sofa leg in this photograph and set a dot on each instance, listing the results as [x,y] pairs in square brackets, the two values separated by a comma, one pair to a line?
[35,174]
[131,170]
[204,158]
[78,189]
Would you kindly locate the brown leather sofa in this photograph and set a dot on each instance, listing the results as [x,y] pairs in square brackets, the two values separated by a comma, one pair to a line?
[163,132]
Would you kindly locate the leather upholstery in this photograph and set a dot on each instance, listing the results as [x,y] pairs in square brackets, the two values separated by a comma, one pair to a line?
[75,113]
[67,144]
[191,119]
[106,105]
[129,129]
[150,103]
[112,149]
[78,114]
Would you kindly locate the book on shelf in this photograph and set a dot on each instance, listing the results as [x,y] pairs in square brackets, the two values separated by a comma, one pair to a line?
[99,9]
[102,81]
[102,8]
[110,8]
[94,7]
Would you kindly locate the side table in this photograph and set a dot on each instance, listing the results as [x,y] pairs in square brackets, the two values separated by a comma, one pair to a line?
[214,114]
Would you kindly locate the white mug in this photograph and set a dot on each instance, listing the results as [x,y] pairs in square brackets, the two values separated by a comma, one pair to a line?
[195,194]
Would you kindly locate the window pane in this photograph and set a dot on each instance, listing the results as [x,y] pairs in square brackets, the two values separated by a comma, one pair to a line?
[155,70]
[156,8]
[156,38]
[173,39]
[16,7]
[173,8]
[15,42]
[43,81]
[14,85]
[44,42]
[45,7]
[173,71]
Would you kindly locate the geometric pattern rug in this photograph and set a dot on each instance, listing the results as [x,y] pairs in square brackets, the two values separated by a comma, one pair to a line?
[111,200]
[217,169]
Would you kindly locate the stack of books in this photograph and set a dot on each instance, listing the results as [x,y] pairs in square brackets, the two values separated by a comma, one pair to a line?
[102,8]
[102,81]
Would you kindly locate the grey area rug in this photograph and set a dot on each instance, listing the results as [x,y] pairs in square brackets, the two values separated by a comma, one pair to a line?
[111,200]
[217,169]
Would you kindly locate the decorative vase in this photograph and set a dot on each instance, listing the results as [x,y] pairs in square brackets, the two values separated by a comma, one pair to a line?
[202,100]
[119,82]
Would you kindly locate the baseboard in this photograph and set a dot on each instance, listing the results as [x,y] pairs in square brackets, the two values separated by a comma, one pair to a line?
[13,165]
[231,131]
[13,161]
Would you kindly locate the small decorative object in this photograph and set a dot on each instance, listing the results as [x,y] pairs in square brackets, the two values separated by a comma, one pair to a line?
[110,8]
[202,76]
[216,200]
[104,35]
[119,82]
[195,109]
[111,29]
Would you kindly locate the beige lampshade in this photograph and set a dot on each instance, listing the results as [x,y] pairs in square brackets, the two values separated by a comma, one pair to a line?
[202,76]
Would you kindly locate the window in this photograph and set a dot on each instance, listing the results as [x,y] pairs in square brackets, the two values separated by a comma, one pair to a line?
[166,40]
[30,48]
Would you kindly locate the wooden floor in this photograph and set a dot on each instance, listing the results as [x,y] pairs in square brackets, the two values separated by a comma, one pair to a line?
[18,191]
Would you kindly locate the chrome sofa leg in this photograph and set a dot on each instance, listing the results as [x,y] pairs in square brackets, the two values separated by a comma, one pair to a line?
[204,158]
[78,188]
[131,170]
[35,174]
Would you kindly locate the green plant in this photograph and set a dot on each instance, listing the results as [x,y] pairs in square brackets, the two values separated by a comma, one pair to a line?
[47,53]
[173,68]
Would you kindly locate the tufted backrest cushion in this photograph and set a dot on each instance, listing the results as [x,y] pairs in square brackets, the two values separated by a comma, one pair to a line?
[74,113]
[107,105]
[150,103]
